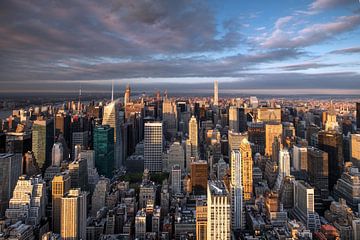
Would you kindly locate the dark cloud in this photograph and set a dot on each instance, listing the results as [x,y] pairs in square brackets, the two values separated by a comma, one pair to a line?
[306,66]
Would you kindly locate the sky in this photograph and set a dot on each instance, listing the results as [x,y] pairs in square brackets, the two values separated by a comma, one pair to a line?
[287,46]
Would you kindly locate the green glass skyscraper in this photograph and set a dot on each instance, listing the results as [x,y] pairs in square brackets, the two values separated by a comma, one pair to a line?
[104,149]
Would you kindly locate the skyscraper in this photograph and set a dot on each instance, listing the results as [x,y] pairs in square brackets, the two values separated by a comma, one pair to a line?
[300,161]
[169,113]
[284,163]
[127,95]
[216,93]
[199,175]
[57,154]
[153,146]
[73,215]
[355,150]
[104,149]
[218,211]
[234,119]
[358,116]
[60,186]
[247,169]
[193,136]
[201,221]
[176,179]
[28,203]
[318,170]
[42,141]
[272,130]
[111,118]
[332,143]
[237,207]
[10,170]
[304,205]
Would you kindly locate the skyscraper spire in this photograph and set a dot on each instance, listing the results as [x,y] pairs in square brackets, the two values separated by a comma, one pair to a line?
[112,90]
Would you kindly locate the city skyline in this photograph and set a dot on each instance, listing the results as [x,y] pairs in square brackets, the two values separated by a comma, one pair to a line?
[310,46]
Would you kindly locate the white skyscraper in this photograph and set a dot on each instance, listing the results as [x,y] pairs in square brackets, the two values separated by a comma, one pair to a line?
[218,211]
[153,146]
[236,187]
[284,163]
[57,154]
[216,92]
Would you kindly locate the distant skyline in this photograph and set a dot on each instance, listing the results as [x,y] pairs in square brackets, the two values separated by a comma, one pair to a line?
[248,46]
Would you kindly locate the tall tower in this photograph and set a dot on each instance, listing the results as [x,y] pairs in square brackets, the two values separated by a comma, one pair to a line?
[355,150]
[234,119]
[272,130]
[216,92]
[247,169]
[104,149]
[111,118]
[60,186]
[42,141]
[127,95]
[73,215]
[284,163]
[153,146]
[236,190]
[218,211]
[193,136]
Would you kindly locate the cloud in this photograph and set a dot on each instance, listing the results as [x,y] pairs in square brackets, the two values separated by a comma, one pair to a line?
[310,35]
[306,66]
[353,50]
[326,4]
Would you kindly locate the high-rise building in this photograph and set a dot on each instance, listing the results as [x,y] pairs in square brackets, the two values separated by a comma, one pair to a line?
[358,116]
[60,186]
[42,141]
[268,115]
[300,161]
[175,156]
[153,146]
[57,154]
[73,215]
[28,203]
[237,199]
[101,191]
[169,113]
[193,137]
[199,175]
[331,122]
[347,187]
[218,211]
[140,224]
[216,93]
[304,205]
[18,142]
[235,139]
[234,119]
[318,170]
[201,221]
[127,95]
[111,117]
[104,149]
[332,143]
[79,174]
[272,130]
[256,133]
[176,179]
[247,169]
[30,167]
[355,149]
[10,170]
[284,163]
